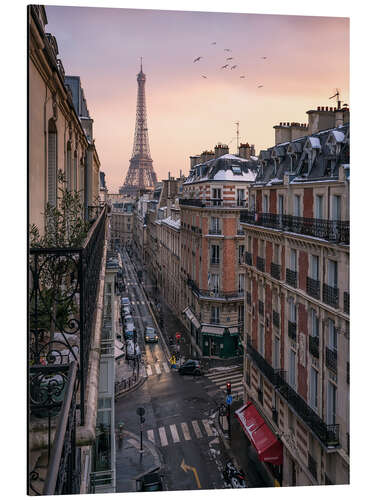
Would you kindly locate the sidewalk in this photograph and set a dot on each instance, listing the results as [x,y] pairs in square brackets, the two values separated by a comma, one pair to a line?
[130,463]
[241,452]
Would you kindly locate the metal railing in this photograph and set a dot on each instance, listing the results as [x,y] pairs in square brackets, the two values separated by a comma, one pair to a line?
[314,346]
[211,203]
[275,270]
[331,359]
[62,302]
[261,307]
[260,264]
[330,295]
[291,278]
[347,302]
[214,293]
[331,230]
[248,259]
[276,319]
[292,330]
[213,230]
[313,287]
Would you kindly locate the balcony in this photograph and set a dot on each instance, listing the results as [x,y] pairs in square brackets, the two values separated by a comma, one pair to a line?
[214,230]
[275,270]
[335,231]
[314,346]
[331,359]
[214,293]
[260,264]
[215,262]
[291,278]
[292,330]
[346,302]
[261,307]
[216,203]
[248,298]
[313,287]
[260,396]
[331,295]
[312,466]
[276,319]
[327,434]
[248,258]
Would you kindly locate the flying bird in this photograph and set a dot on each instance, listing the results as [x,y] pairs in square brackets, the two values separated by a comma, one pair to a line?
[197,59]
[213,43]
[242,76]
[229,58]
[204,76]
[260,86]
[264,57]
[232,67]
[225,66]
[228,50]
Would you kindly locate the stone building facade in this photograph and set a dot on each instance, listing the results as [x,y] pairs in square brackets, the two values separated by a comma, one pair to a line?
[296,363]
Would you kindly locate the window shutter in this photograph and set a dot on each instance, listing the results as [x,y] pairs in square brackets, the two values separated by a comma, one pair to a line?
[52,169]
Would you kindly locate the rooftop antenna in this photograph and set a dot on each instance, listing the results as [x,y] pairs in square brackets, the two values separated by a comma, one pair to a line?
[141,64]
[238,135]
[338,98]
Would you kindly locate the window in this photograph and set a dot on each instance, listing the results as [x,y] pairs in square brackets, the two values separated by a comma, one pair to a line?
[215,225]
[236,170]
[213,282]
[292,368]
[280,204]
[319,206]
[215,254]
[261,248]
[332,273]
[252,202]
[331,403]
[313,388]
[240,313]
[240,197]
[241,250]
[261,339]
[52,164]
[265,203]
[314,262]
[241,280]
[215,314]
[336,207]
[332,335]
[314,324]
[216,196]
[297,205]
[292,311]
[276,253]
[293,259]
[276,353]
[69,167]
[75,171]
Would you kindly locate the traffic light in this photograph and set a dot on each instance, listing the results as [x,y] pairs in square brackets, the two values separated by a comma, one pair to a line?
[229,388]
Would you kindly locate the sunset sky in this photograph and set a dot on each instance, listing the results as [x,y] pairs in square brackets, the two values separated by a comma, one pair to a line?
[307,58]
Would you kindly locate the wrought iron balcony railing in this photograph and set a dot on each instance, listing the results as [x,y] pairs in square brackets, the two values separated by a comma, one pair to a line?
[327,434]
[261,307]
[331,359]
[211,203]
[331,230]
[248,259]
[215,261]
[314,346]
[313,287]
[276,319]
[260,264]
[214,230]
[64,284]
[312,466]
[248,298]
[292,330]
[291,278]
[260,396]
[214,293]
[330,295]
[275,270]
[347,302]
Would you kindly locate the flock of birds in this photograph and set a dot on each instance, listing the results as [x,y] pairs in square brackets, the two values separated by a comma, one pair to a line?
[226,65]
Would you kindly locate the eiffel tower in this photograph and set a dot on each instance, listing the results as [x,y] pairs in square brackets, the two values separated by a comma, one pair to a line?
[141,174]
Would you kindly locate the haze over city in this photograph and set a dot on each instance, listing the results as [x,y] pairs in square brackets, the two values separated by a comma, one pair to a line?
[299,61]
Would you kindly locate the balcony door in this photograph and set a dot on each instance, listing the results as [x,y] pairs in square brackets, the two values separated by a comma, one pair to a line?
[216,196]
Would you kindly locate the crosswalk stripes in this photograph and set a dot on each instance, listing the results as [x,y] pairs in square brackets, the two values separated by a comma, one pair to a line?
[234,376]
[196,428]
[166,367]
[175,436]
[184,431]
[163,436]
[150,436]
[149,371]
[157,368]
[207,428]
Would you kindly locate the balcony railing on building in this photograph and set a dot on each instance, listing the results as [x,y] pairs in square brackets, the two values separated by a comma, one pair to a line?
[292,330]
[314,346]
[261,307]
[346,302]
[260,264]
[313,287]
[214,292]
[275,270]
[248,259]
[330,295]
[327,434]
[214,230]
[211,203]
[331,230]
[62,304]
[276,319]
[291,278]
[248,298]
[331,359]
[312,466]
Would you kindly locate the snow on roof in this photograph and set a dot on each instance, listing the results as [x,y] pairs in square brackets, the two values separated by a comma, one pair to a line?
[228,175]
[275,180]
[176,224]
[315,142]
[232,157]
[339,136]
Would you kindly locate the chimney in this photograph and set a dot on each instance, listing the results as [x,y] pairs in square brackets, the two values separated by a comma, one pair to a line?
[194,160]
[206,156]
[282,133]
[221,149]
[244,151]
[320,119]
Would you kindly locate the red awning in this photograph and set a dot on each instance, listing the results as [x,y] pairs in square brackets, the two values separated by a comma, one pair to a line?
[269,448]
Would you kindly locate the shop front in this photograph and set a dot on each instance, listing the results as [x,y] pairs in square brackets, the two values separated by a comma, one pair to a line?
[269,448]
[218,341]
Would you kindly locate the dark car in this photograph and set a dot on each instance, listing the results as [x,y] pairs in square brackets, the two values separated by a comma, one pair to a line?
[151,335]
[150,482]
[190,367]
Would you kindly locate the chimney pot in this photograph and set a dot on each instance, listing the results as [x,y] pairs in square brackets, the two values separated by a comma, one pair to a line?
[318,109]
[326,108]
[288,124]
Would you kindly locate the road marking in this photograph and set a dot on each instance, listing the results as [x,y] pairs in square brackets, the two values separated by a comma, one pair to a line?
[166,367]
[175,436]
[150,436]
[134,443]
[149,370]
[157,368]
[207,427]
[163,436]
[196,428]
[186,467]
[185,431]
[237,384]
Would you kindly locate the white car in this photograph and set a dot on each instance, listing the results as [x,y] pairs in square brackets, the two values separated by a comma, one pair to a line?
[132,352]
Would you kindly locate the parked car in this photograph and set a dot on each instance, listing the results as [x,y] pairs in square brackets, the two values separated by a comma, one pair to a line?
[190,367]
[132,351]
[129,333]
[125,310]
[151,335]
[150,482]
[129,325]
[128,318]
[125,301]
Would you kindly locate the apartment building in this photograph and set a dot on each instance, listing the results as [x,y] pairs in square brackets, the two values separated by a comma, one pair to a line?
[212,249]
[122,218]
[296,363]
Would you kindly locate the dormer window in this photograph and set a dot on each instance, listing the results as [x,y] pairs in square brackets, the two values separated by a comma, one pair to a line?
[236,170]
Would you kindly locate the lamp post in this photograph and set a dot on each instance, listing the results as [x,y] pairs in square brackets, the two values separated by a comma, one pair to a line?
[229,402]
[141,411]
